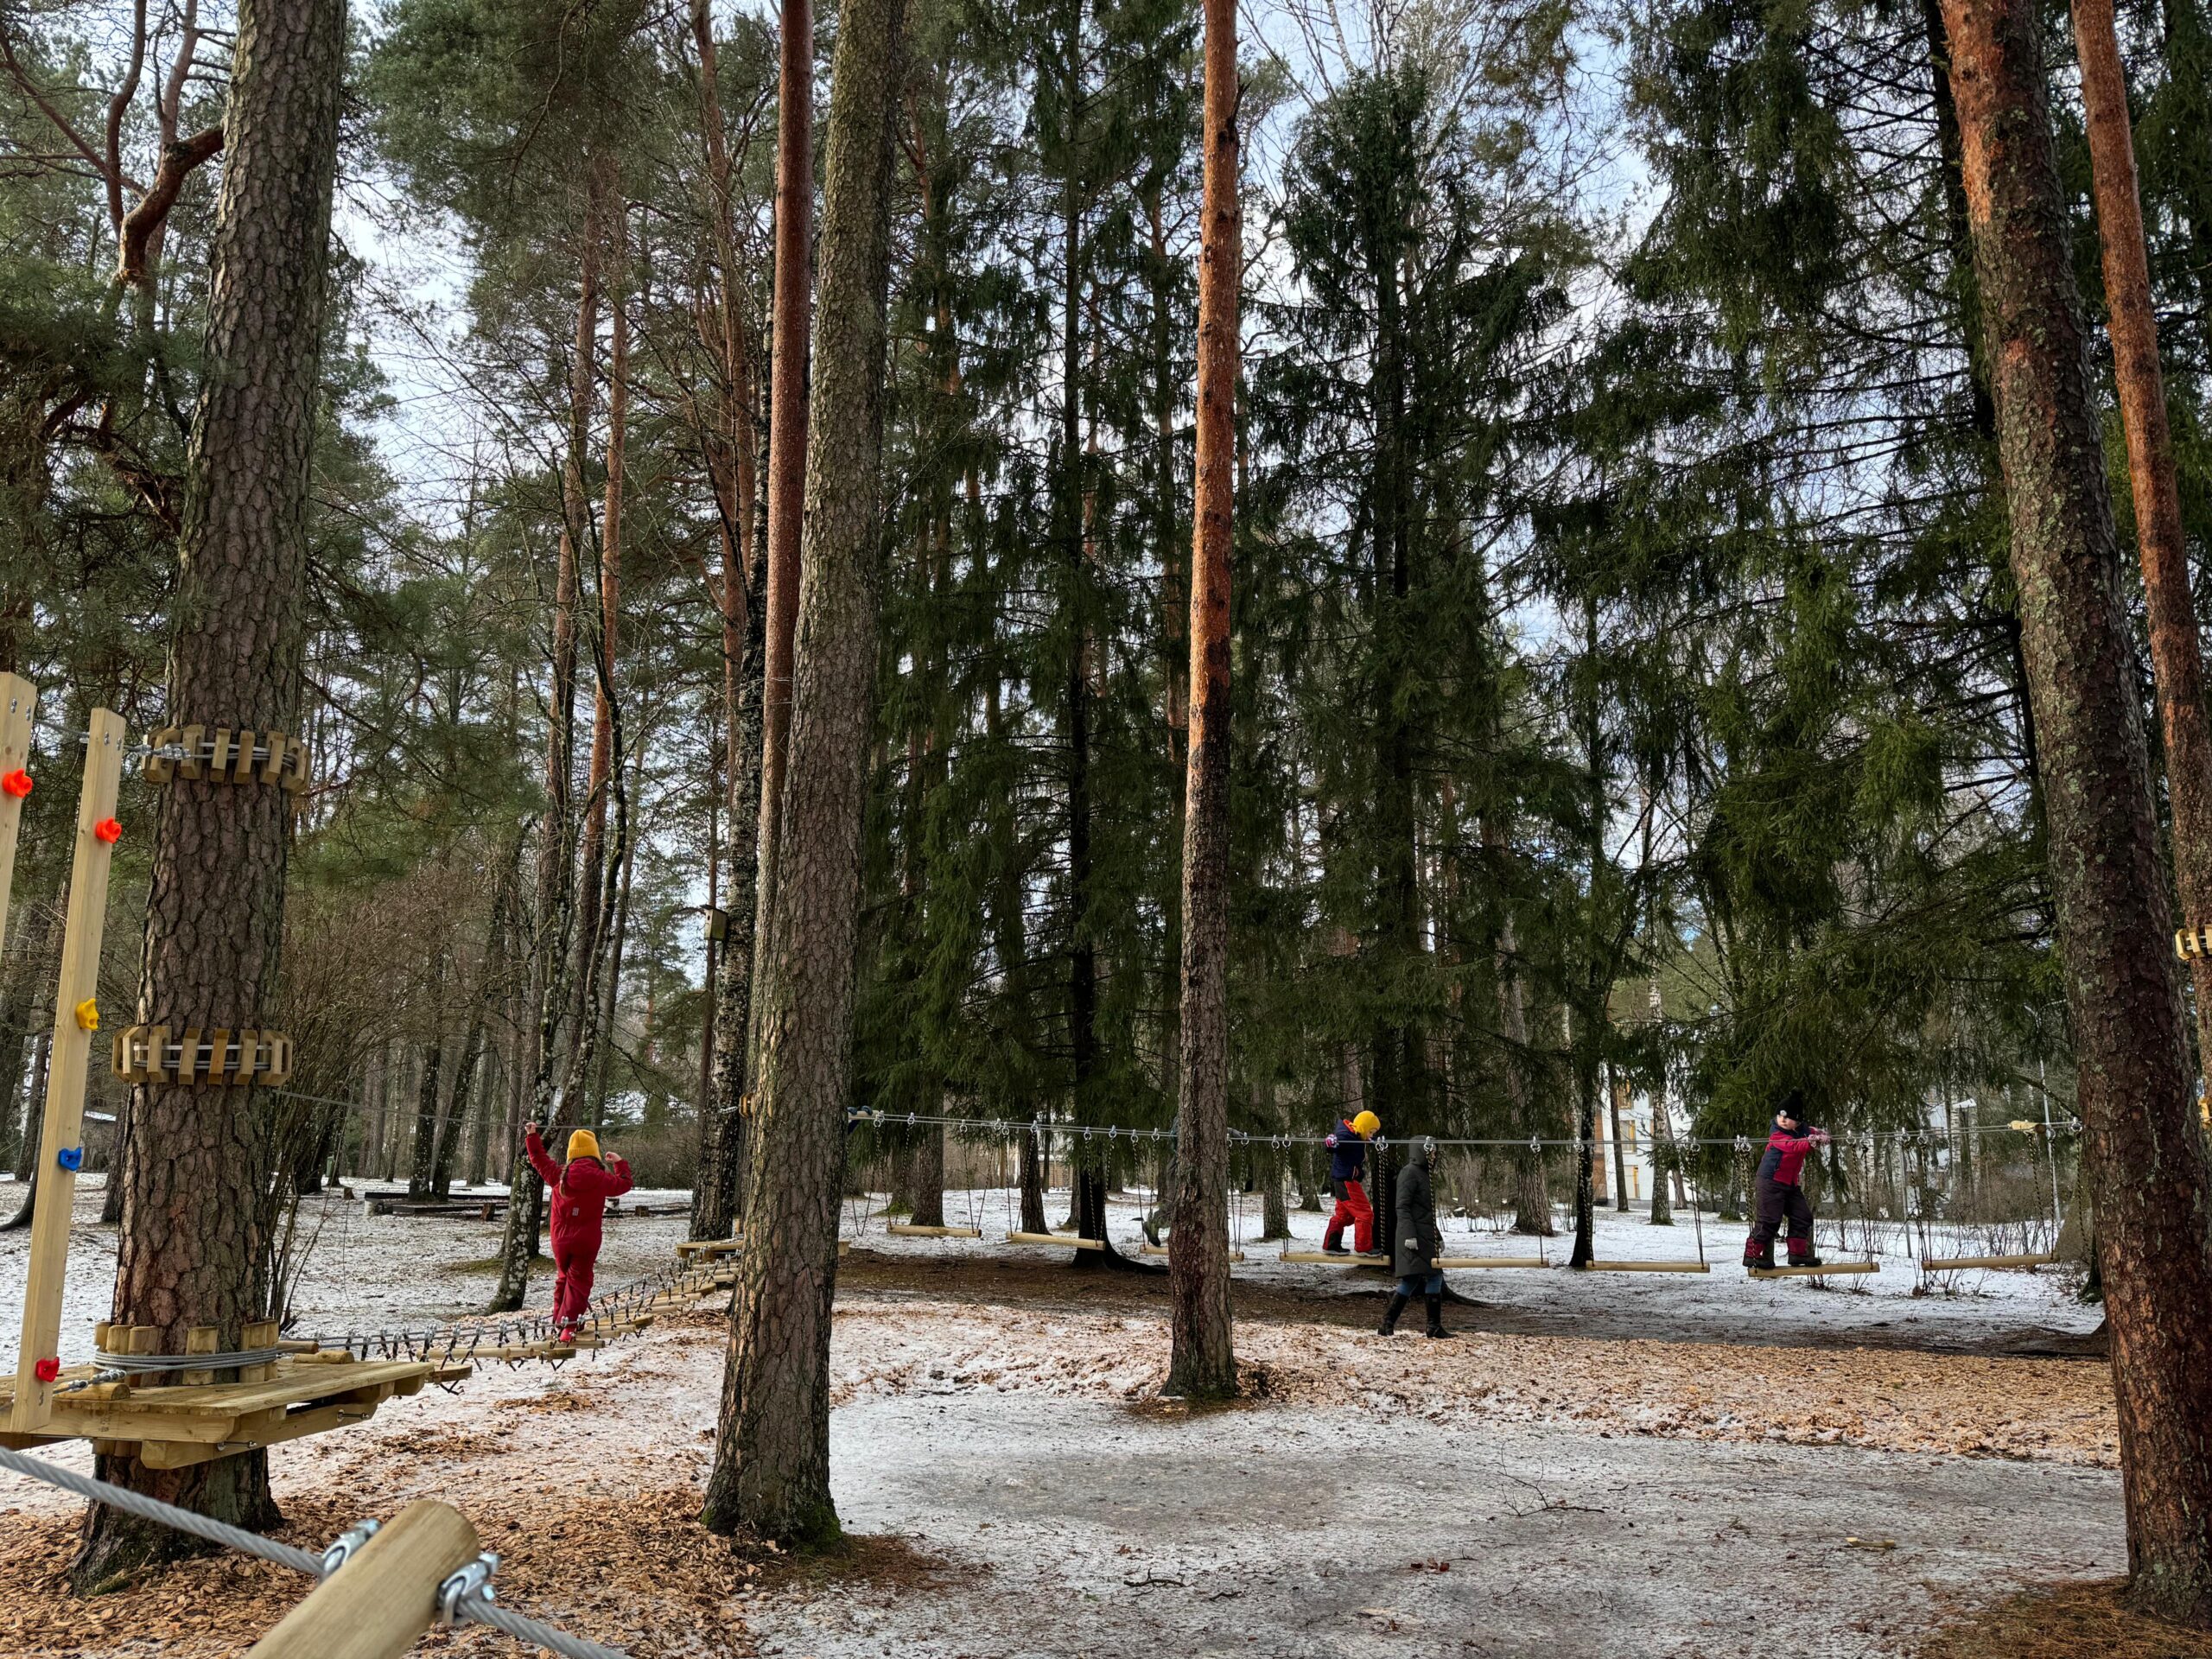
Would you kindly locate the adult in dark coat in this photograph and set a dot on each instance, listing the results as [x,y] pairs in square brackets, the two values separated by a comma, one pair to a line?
[1416,1242]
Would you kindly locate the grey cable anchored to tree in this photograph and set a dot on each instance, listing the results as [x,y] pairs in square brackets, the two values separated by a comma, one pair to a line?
[465,1597]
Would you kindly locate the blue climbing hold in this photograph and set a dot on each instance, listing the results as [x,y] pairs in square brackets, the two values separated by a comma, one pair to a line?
[70,1158]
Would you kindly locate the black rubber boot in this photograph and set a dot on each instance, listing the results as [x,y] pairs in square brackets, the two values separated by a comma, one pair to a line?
[1390,1325]
[1808,1259]
[1435,1316]
[1763,1259]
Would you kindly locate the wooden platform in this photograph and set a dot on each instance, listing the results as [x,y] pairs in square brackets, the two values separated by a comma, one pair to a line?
[1648,1267]
[1456,1261]
[1951,1263]
[1330,1259]
[1823,1271]
[707,1249]
[172,1427]
[907,1229]
[1066,1241]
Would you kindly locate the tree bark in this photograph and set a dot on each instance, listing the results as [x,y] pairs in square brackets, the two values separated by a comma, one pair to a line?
[2177,652]
[2144,1151]
[771,1453]
[1203,1360]
[194,1223]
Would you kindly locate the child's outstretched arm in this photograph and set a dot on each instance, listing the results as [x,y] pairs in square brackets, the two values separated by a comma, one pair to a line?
[533,1145]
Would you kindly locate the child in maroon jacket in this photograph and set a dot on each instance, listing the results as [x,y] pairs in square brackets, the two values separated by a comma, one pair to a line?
[1778,1193]
[578,1192]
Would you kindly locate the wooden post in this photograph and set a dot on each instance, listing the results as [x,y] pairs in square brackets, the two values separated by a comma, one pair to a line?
[18,701]
[375,1606]
[67,1064]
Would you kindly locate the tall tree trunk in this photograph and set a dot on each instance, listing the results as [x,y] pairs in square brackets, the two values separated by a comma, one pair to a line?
[788,416]
[1618,1097]
[553,912]
[593,876]
[422,1153]
[2143,1146]
[771,1452]
[193,1245]
[1202,1359]
[2176,653]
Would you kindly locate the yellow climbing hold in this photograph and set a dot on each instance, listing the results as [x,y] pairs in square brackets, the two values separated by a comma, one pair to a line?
[88,1015]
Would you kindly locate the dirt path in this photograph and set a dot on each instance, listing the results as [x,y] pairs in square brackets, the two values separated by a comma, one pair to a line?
[1565,1494]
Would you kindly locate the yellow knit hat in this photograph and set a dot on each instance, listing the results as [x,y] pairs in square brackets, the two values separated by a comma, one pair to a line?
[583,1143]
[1366,1123]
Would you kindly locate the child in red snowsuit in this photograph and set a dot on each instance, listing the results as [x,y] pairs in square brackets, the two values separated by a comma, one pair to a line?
[1778,1192]
[1347,1145]
[578,1192]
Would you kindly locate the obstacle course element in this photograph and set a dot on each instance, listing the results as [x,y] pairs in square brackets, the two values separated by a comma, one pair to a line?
[215,1060]
[907,1229]
[2192,942]
[1821,1272]
[68,1059]
[1452,1262]
[224,757]
[1951,1263]
[1145,1247]
[1057,1241]
[1335,1258]
[1647,1266]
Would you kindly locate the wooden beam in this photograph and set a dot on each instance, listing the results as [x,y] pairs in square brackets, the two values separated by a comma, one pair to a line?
[1824,1269]
[1646,1266]
[907,1229]
[1455,1261]
[1331,1258]
[1948,1263]
[68,1060]
[1145,1247]
[1056,1239]
[375,1606]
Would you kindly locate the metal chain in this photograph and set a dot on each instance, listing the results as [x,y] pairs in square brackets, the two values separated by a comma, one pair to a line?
[469,1601]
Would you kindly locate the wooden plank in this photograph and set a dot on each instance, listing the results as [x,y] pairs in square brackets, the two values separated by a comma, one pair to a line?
[260,1334]
[1330,1258]
[907,1229]
[1822,1271]
[1456,1261]
[249,1436]
[1066,1243]
[1949,1263]
[386,1596]
[307,1383]
[18,704]
[1145,1247]
[200,1339]
[1649,1267]
[68,1060]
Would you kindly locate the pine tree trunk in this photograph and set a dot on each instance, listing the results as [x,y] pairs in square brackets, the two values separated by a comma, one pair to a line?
[2176,653]
[1031,1178]
[553,912]
[1203,1358]
[771,1453]
[194,1223]
[2144,1151]
[1616,1099]
[422,1153]
[714,1196]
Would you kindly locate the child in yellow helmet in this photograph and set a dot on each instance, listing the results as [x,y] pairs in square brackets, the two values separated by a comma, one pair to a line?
[1347,1145]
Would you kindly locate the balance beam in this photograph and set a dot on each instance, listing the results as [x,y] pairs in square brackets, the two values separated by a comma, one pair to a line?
[1945,1264]
[907,1229]
[1329,1259]
[1814,1273]
[1148,1247]
[1647,1266]
[1055,1239]
[1458,1262]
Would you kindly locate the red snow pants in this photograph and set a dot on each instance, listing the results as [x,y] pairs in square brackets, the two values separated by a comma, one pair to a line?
[1352,1206]
[572,1286]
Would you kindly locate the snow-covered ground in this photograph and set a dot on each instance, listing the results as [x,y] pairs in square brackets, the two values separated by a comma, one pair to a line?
[366,1272]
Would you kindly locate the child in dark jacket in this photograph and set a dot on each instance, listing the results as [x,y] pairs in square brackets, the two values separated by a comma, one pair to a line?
[577,1192]
[1777,1192]
[1347,1145]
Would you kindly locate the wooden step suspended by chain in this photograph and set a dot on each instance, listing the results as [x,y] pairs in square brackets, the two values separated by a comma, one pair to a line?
[1334,1259]
[1952,1263]
[226,757]
[218,1059]
[1057,1241]
[705,1249]
[1455,1263]
[1647,1266]
[1145,1247]
[2193,942]
[1821,1272]
[909,1230]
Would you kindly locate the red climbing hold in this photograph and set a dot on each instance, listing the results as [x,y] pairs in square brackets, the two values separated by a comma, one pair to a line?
[108,830]
[16,783]
[47,1369]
